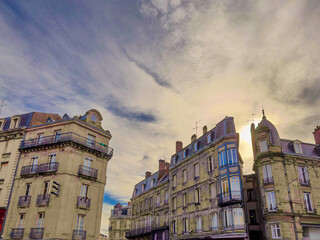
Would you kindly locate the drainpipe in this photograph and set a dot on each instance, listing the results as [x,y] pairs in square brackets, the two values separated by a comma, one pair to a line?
[290,200]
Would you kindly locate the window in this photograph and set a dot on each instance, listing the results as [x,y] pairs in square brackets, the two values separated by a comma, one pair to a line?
[52,160]
[227,218]
[222,159]
[87,164]
[158,199]
[153,182]
[199,223]
[34,163]
[275,231]
[303,175]
[90,140]
[174,227]
[174,203]
[271,201]
[1,124]
[185,225]
[238,219]
[40,221]
[307,201]
[184,175]
[80,222]
[14,123]
[195,147]
[57,135]
[263,145]
[251,195]
[174,180]
[197,196]
[253,216]
[28,188]
[210,164]
[213,192]
[184,199]
[84,190]
[297,148]
[166,197]
[232,156]
[267,173]
[20,222]
[209,138]
[151,202]
[143,186]
[196,170]
[176,159]
[235,188]
[40,138]
[146,204]
[225,187]
[46,187]
[164,235]
[118,224]
[214,221]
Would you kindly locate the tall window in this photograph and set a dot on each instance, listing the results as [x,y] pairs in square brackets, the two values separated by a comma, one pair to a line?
[14,123]
[297,148]
[225,187]
[195,147]
[214,221]
[1,124]
[267,173]
[308,202]
[21,219]
[222,159]
[40,221]
[143,187]
[28,188]
[199,223]
[166,196]
[275,231]
[84,190]
[185,199]
[235,187]
[209,139]
[238,219]
[40,138]
[210,164]
[174,180]
[90,140]
[174,203]
[185,153]
[271,201]
[80,222]
[46,187]
[52,160]
[227,218]
[185,225]
[174,227]
[303,175]
[251,195]
[213,192]
[232,156]
[34,164]
[197,195]
[184,174]
[158,199]
[263,145]
[196,170]
[57,135]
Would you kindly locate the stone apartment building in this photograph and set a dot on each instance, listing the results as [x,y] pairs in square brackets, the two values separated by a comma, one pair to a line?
[287,175]
[150,206]
[12,131]
[206,199]
[119,221]
[59,182]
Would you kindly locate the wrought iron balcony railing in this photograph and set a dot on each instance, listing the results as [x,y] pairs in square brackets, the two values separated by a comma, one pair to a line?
[65,137]
[268,180]
[36,233]
[43,199]
[88,172]
[138,232]
[83,202]
[225,198]
[29,170]
[79,235]
[17,233]
[24,201]
[48,167]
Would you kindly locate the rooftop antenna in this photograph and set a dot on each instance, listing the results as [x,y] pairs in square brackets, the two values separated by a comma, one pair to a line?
[196,128]
[2,104]
[263,116]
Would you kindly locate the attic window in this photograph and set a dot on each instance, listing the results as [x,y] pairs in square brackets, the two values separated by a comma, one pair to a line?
[65,116]
[263,145]
[50,120]
[94,118]
[1,124]
[143,187]
[176,159]
[185,153]
[14,122]
[297,147]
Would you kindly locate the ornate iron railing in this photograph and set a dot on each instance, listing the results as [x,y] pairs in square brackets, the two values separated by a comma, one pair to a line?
[29,170]
[36,233]
[43,199]
[79,235]
[64,137]
[83,202]
[17,233]
[88,172]
[48,167]
[24,201]
[139,231]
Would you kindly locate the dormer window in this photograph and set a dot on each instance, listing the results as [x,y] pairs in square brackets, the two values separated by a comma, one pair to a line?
[263,145]
[209,138]
[14,122]
[297,147]
[135,192]
[176,159]
[94,118]
[153,182]
[196,146]
[1,124]
[185,153]
[143,187]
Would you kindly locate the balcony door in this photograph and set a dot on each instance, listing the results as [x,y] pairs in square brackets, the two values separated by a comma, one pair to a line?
[235,187]
[46,188]
[84,190]
[20,222]
[90,141]
[80,222]
[40,222]
[52,161]
[34,164]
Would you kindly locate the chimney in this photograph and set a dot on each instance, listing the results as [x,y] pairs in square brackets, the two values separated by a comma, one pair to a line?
[179,146]
[162,165]
[167,167]
[193,138]
[205,129]
[148,174]
[316,135]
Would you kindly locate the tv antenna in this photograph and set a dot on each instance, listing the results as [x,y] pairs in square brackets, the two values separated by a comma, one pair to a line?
[196,128]
[2,104]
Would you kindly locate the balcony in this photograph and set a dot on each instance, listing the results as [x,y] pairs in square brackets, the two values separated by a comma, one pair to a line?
[48,167]
[225,198]
[24,201]
[43,199]
[79,235]
[268,180]
[304,182]
[138,232]
[83,202]
[67,137]
[235,226]
[17,233]
[88,172]
[29,170]
[36,233]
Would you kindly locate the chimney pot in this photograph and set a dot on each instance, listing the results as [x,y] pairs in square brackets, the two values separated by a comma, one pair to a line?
[205,129]
[162,165]
[179,146]
[316,135]
[148,174]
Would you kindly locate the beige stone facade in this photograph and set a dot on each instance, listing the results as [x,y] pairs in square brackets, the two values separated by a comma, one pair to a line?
[287,173]
[59,183]
[119,222]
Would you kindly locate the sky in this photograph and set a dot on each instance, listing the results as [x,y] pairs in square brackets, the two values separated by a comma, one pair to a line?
[155,68]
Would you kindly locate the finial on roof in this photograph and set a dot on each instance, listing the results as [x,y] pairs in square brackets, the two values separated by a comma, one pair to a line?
[263,116]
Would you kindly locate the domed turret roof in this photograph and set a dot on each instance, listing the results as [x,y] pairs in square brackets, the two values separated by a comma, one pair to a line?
[273,133]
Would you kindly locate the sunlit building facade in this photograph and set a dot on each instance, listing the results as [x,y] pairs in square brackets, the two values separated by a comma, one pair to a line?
[59,182]
[287,173]
[119,221]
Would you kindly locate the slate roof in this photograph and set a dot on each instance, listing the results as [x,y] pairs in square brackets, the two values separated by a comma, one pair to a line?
[147,183]
[308,149]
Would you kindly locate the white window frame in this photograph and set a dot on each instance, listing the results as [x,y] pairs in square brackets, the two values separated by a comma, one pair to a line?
[210,164]
[275,230]
[227,218]
[235,187]
[14,122]
[267,172]
[80,222]
[214,221]
[308,201]
[297,147]
[195,147]
[40,220]
[21,220]
[271,201]
[209,139]
[303,174]
[185,225]
[2,122]
[238,217]
[263,145]
[198,223]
